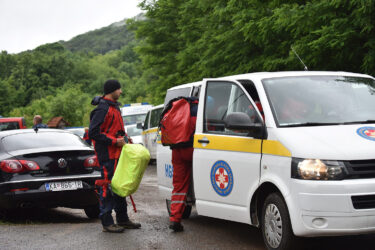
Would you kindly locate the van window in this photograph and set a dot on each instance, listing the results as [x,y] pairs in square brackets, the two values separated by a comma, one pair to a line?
[155,117]
[321,100]
[146,126]
[176,93]
[223,98]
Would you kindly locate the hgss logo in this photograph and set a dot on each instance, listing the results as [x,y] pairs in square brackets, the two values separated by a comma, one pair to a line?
[61,163]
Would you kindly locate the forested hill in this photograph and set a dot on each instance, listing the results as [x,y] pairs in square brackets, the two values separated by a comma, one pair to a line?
[184,41]
[102,40]
[60,79]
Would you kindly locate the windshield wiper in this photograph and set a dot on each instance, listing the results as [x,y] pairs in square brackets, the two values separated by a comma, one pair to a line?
[307,124]
[360,122]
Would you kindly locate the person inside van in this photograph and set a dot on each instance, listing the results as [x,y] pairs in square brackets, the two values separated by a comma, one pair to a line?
[293,110]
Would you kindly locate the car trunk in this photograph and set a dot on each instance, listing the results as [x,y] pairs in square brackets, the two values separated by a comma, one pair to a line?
[55,163]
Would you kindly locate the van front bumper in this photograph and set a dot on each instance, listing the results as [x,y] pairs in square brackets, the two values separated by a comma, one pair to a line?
[324,208]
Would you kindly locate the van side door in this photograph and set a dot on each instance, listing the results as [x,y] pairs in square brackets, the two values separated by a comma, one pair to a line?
[226,162]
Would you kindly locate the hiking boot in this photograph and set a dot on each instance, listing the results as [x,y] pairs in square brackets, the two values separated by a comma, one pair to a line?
[113,229]
[176,226]
[129,224]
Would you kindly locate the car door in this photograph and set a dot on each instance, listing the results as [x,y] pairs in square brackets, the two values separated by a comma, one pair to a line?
[226,163]
[154,123]
[145,136]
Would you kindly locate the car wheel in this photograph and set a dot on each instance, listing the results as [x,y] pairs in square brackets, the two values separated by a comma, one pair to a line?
[276,228]
[92,211]
[186,213]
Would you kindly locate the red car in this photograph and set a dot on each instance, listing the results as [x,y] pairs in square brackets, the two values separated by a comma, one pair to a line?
[10,123]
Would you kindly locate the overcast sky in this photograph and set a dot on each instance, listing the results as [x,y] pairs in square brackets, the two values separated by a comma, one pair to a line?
[26,24]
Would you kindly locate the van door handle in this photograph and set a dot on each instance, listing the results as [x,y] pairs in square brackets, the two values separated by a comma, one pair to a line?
[204,141]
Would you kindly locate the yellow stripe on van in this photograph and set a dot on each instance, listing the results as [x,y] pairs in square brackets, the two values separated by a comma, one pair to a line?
[275,148]
[159,138]
[149,131]
[219,142]
[240,144]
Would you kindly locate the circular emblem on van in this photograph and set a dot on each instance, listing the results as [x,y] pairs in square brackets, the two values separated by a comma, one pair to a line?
[61,163]
[367,133]
[222,178]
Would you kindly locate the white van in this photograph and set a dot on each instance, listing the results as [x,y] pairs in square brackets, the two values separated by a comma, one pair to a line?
[150,129]
[290,152]
[134,113]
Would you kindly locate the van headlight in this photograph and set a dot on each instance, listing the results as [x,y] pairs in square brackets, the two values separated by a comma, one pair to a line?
[316,169]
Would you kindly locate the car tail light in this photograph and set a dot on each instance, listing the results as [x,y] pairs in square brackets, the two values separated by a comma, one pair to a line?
[91,162]
[29,165]
[14,166]
[11,166]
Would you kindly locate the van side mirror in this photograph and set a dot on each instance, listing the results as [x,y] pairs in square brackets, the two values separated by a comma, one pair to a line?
[140,125]
[241,121]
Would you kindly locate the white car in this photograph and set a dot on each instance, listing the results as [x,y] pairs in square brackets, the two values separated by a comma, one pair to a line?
[134,133]
[80,131]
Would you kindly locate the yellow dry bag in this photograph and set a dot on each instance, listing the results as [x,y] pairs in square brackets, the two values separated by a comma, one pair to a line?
[130,168]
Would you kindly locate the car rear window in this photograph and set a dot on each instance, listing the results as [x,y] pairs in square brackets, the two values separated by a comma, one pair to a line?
[40,140]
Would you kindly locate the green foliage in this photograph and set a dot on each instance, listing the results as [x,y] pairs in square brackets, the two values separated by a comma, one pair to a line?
[102,40]
[52,81]
[184,41]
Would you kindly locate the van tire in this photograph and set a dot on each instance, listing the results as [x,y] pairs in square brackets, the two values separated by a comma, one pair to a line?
[275,224]
[186,213]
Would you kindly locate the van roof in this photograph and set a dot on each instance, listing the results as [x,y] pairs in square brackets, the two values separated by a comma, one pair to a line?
[186,85]
[158,106]
[262,75]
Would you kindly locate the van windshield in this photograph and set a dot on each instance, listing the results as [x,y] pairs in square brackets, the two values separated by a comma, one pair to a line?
[321,100]
[133,119]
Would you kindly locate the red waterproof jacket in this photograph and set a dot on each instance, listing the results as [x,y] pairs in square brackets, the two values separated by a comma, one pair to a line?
[106,125]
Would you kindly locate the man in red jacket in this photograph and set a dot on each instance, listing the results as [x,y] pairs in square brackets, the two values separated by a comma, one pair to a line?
[107,134]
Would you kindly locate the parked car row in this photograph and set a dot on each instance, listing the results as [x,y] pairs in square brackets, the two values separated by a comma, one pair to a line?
[56,167]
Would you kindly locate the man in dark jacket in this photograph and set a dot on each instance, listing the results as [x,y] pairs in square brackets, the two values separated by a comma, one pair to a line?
[37,121]
[107,134]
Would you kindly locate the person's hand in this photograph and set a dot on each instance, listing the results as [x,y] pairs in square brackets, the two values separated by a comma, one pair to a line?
[120,142]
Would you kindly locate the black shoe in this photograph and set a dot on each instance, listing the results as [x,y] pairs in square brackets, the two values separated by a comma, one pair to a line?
[129,225]
[176,226]
[113,229]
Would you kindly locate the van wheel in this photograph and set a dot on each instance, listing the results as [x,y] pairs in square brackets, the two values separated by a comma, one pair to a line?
[186,213]
[92,211]
[276,228]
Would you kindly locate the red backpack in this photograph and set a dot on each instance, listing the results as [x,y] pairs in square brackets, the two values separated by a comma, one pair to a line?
[177,122]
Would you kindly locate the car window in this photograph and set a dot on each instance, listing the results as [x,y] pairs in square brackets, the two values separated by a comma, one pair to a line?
[155,117]
[9,126]
[40,140]
[176,93]
[223,98]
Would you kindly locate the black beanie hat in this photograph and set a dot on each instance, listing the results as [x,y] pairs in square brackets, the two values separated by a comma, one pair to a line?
[110,86]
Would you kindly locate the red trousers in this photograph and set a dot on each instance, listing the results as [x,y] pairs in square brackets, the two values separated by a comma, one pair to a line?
[182,159]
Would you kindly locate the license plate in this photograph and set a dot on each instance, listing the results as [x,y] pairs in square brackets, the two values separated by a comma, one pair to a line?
[63,185]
